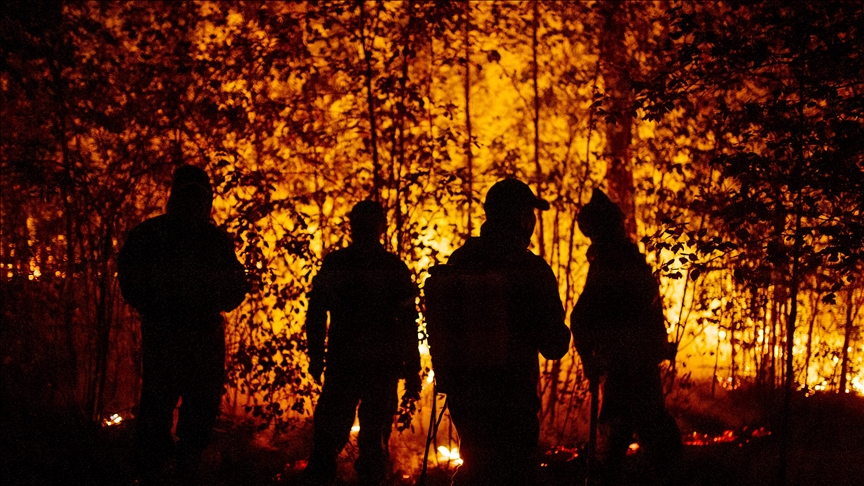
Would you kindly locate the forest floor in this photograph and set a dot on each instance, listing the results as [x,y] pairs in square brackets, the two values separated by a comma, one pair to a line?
[735,444]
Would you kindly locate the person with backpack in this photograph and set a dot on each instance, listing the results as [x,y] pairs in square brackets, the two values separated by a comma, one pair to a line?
[180,272]
[371,343]
[490,310]
[620,334]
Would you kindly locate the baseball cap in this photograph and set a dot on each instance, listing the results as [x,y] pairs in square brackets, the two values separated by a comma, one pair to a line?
[509,196]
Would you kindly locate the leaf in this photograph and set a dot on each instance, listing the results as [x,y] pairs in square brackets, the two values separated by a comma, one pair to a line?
[695,273]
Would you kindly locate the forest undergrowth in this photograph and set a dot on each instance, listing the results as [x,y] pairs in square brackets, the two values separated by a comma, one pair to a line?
[42,448]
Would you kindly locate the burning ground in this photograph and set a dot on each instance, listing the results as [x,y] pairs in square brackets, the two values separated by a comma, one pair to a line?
[730,439]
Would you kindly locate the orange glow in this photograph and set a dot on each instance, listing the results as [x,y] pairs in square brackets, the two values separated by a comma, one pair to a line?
[697,439]
[450,455]
[114,419]
[278,115]
[559,454]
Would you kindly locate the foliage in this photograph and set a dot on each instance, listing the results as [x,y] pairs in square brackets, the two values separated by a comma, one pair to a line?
[745,156]
[767,99]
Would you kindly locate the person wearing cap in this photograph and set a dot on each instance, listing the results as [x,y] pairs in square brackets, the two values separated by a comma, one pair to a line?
[494,407]
[180,272]
[620,334]
[371,343]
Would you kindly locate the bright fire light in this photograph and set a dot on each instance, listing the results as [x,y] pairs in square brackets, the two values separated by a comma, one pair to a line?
[451,455]
[114,419]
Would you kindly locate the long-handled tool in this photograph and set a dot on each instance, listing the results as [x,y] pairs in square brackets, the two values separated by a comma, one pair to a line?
[433,431]
[591,453]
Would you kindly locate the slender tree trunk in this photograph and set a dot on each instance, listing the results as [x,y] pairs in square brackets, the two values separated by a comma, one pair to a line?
[469,155]
[67,190]
[733,354]
[809,354]
[783,337]
[67,296]
[397,171]
[370,101]
[786,430]
[616,76]
[103,327]
[763,348]
[772,375]
[790,329]
[538,169]
[847,338]
[716,361]
[555,370]
[581,188]
[673,364]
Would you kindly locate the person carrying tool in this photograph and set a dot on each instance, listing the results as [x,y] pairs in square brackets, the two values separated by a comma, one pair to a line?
[371,343]
[490,310]
[620,334]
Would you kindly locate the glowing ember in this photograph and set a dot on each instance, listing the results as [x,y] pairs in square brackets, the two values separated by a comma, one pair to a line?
[114,419]
[450,455]
[559,454]
[633,449]
[292,467]
[697,439]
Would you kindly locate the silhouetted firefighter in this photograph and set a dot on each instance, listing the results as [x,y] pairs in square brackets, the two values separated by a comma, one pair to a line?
[489,311]
[179,271]
[619,331]
[371,344]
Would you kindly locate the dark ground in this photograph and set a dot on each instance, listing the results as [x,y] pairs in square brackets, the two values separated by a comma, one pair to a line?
[827,449]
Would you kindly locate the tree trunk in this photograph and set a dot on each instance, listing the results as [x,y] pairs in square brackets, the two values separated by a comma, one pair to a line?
[103,329]
[397,170]
[789,375]
[793,308]
[809,354]
[716,362]
[847,337]
[469,155]
[775,322]
[732,355]
[370,100]
[538,169]
[616,76]
[67,190]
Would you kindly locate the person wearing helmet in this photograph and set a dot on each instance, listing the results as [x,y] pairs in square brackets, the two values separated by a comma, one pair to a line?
[493,398]
[371,343]
[180,272]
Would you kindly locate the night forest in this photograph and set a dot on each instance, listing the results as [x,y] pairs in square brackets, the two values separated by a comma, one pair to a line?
[730,134]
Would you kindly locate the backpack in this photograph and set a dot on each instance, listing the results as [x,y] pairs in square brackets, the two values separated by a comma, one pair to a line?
[468,316]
